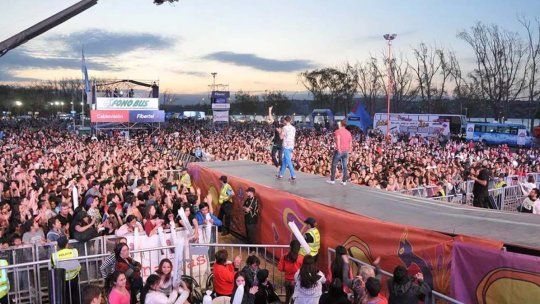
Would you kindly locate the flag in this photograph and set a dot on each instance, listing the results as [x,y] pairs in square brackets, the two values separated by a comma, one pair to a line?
[85,75]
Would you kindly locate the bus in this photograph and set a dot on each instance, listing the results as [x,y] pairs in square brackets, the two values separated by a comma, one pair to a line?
[514,135]
[422,124]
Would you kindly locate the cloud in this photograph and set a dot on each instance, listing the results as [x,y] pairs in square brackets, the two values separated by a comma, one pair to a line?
[6,76]
[259,63]
[193,73]
[104,43]
[17,59]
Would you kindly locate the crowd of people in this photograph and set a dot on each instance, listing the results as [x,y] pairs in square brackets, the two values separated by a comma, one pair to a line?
[121,185]
[117,176]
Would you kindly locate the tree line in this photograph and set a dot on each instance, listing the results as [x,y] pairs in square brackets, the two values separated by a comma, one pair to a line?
[505,71]
[503,77]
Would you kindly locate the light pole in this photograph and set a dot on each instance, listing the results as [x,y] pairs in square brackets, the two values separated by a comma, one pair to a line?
[214,83]
[18,105]
[389,38]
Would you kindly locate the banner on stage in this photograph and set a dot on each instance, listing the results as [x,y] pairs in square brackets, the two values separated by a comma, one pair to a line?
[147,116]
[121,103]
[420,250]
[482,275]
[109,116]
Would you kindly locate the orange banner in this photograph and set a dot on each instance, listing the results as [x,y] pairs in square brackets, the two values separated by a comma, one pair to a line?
[366,238]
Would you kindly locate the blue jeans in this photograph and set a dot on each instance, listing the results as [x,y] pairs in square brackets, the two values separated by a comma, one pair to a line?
[343,158]
[287,162]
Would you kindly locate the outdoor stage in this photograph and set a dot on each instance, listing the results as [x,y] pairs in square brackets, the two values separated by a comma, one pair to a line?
[509,228]
[423,235]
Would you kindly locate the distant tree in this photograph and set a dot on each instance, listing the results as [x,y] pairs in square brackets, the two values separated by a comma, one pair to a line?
[280,103]
[532,64]
[370,84]
[403,90]
[316,82]
[245,103]
[432,69]
[332,87]
[499,73]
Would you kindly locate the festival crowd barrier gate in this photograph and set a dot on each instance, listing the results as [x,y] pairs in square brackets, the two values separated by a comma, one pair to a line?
[29,265]
[365,238]
[506,198]
[196,266]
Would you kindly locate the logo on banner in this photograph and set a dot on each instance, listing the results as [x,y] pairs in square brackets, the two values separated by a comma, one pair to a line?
[127,103]
[412,261]
[109,116]
[147,116]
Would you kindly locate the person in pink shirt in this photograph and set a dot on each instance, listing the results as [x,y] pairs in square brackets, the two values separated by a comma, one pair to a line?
[119,294]
[343,145]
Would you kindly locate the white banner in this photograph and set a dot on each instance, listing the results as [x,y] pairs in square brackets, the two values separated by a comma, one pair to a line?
[425,125]
[221,116]
[522,137]
[469,134]
[221,106]
[198,267]
[121,103]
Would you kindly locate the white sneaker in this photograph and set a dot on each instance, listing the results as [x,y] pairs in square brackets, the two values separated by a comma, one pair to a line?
[344,183]
[331,182]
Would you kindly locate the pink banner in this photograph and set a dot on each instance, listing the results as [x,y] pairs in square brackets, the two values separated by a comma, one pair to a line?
[484,275]
[109,116]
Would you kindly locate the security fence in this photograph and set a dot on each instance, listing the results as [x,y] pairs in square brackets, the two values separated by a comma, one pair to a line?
[29,266]
[434,297]
[505,198]
[179,157]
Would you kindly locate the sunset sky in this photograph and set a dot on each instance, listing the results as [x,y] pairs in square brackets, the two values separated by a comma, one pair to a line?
[253,45]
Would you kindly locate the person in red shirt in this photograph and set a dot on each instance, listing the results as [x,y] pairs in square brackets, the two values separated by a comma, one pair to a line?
[224,273]
[343,141]
[290,264]
[151,224]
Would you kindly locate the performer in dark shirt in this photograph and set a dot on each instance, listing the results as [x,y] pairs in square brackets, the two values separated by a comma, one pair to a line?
[480,187]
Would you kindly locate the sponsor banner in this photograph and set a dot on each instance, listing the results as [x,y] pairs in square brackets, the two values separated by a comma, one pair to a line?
[522,137]
[417,249]
[109,116]
[470,131]
[146,116]
[221,106]
[121,103]
[220,96]
[482,275]
[431,125]
[221,116]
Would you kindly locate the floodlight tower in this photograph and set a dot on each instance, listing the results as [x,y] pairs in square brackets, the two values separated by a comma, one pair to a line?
[389,38]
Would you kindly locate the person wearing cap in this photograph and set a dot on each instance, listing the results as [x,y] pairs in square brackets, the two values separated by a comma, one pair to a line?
[185,179]
[225,200]
[313,238]
[72,267]
[251,214]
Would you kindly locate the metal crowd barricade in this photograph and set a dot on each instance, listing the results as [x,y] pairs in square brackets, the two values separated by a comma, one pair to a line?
[24,279]
[434,297]
[268,254]
[179,156]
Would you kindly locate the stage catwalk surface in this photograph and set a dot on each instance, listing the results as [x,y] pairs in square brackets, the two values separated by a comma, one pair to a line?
[509,228]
